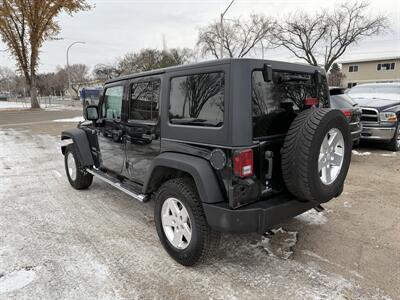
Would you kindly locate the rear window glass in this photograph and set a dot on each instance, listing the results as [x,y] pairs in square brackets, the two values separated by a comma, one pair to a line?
[341,101]
[276,103]
[197,100]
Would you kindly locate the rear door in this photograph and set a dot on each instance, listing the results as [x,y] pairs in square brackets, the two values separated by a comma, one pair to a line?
[142,129]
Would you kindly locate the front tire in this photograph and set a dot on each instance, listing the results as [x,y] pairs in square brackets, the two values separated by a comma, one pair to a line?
[181,224]
[77,177]
[394,144]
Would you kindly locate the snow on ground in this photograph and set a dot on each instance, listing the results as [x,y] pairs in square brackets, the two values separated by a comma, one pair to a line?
[11,105]
[279,243]
[312,217]
[70,120]
[355,152]
[7,105]
[100,243]
[16,280]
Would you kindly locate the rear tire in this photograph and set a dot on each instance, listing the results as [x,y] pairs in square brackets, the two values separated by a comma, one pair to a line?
[394,144]
[198,241]
[77,177]
[316,155]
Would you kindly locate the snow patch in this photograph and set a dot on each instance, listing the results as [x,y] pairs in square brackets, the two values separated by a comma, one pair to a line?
[11,105]
[389,155]
[70,120]
[355,152]
[279,243]
[16,280]
[347,204]
[313,217]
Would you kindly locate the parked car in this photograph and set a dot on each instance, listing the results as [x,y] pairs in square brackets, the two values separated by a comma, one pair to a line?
[380,105]
[234,145]
[339,100]
[90,95]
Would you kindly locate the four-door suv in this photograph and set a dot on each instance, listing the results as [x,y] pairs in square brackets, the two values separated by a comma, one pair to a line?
[380,104]
[234,145]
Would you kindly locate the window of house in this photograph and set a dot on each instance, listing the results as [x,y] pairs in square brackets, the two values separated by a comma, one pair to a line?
[197,100]
[113,102]
[144,100]
[353,68]
[351,84]
[386,66]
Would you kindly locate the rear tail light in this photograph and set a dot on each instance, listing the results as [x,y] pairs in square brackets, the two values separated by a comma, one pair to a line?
[347,113]
[311,101]
[243,164]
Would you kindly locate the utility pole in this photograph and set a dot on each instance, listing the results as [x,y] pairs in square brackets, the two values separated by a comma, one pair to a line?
[222,29]
[68,71]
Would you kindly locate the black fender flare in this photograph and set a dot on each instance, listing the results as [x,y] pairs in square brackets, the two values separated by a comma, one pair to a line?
[81,143]
[200,169]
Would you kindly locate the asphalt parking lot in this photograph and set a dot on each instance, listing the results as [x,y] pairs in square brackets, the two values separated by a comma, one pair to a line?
[57,242]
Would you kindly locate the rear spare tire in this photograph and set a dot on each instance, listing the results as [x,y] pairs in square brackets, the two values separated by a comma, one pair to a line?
[316,155]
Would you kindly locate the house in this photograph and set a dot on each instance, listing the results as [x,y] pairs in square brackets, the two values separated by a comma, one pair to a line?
[357,71]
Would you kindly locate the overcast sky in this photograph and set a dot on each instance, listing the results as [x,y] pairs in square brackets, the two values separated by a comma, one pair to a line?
[115,27]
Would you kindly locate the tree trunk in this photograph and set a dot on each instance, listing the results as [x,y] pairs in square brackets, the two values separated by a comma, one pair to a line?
[33,92]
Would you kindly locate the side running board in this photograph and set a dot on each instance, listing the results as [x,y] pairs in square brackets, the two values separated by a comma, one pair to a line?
[126,188]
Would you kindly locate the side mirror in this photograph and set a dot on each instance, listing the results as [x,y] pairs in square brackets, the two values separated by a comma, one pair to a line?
[92,113]
[267,73]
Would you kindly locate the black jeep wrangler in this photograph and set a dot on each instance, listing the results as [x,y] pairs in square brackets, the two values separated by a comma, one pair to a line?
[234,145]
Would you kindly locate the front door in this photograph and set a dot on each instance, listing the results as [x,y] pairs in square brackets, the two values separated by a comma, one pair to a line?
[110,131]
[142,129]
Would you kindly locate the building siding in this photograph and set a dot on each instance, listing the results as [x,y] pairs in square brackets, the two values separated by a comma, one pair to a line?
[367,72]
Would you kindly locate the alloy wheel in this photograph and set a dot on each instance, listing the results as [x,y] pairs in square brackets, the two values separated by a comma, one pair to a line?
[331,156]
[176,223]
[71,166]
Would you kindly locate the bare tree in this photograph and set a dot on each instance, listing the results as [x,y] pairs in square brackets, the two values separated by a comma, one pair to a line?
[103,72]
[322,38]
[239,37]
[25,25]
[150,59]
[7,78]
[79,77]
[335,75]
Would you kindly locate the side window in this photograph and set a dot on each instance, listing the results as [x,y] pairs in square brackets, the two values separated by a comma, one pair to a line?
[197,100]
[144,100]
[113,102]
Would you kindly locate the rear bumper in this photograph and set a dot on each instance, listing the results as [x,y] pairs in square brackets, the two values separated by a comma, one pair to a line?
[378,133]
[257,217]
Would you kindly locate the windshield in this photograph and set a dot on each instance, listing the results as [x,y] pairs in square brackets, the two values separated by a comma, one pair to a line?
[341,101]
[375,89]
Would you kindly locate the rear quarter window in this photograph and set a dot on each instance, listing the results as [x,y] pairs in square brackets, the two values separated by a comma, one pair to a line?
[197,100]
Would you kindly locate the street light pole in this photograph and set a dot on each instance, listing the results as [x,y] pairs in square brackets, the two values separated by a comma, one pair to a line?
[222,29]
[68,71]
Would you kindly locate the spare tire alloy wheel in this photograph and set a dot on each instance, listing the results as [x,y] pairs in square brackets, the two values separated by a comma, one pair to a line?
[316,155]
[176,223]
[331,156]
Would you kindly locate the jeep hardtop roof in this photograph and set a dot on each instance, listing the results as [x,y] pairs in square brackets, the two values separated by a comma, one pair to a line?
[276,64]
